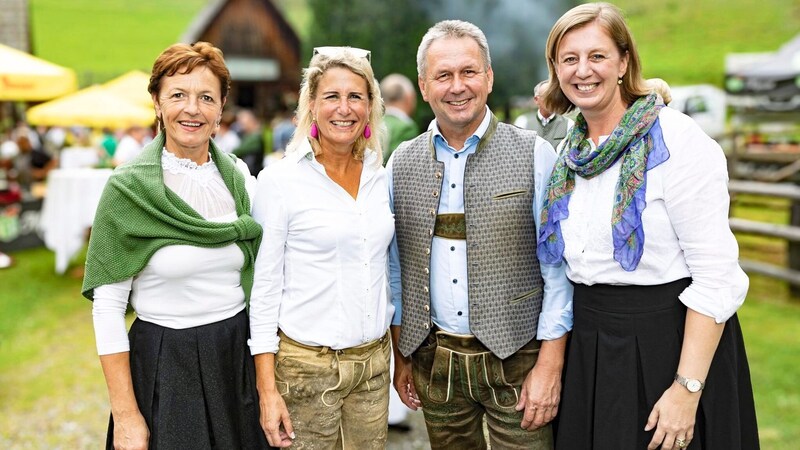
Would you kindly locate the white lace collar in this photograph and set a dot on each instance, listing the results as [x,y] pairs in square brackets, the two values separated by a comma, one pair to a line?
[185,166]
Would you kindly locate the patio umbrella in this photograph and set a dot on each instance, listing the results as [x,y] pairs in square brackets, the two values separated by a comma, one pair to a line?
[24,77]
[93,107]
[132,86]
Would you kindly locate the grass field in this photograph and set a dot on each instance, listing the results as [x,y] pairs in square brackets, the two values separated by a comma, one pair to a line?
[682,42]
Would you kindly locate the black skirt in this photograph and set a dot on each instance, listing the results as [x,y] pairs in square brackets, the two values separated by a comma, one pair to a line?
[195,387]
[623,354]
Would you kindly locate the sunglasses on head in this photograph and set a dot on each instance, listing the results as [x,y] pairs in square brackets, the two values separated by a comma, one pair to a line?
[334,51]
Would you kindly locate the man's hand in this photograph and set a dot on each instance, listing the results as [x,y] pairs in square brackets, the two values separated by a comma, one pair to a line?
[404,382]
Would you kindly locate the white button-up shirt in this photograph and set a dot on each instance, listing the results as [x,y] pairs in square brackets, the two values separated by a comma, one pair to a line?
[320,274]
[685,225]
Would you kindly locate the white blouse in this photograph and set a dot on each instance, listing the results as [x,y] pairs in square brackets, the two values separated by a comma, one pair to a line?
[321,269]
[181,286]
[685,222]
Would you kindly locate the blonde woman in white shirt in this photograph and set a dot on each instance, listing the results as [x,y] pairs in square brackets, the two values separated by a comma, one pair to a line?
[320,311]
[637,206]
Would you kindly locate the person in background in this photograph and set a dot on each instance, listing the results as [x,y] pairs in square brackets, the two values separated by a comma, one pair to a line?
[400,99]
[174,237]
[320,310]
[282,130]
[226,138]
[251,148]
[550,126]
[637,207]
[479,327]
[130,145]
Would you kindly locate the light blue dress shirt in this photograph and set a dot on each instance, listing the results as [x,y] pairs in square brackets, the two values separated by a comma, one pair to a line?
[448,279]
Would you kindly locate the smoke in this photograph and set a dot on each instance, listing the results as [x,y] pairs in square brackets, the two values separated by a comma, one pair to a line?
[516,30]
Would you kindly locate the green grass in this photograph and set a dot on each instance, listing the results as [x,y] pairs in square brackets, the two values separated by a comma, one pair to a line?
[685,42]
[103,39]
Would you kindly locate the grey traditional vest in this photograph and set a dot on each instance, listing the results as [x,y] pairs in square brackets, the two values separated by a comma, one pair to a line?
[504,283]
[554,132]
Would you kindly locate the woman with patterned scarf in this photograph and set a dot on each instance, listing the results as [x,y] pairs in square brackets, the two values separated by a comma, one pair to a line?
[637,207]
[174,236]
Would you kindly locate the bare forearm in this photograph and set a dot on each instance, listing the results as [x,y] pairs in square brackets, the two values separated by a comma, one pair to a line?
[700,340]
[551,353]
[265,372]
[117,371]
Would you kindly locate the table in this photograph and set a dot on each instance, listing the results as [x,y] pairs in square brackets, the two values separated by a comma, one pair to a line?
[68,210]
[78,158]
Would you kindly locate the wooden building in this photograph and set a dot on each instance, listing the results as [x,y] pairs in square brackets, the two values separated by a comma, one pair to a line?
[14,25]
[261,51]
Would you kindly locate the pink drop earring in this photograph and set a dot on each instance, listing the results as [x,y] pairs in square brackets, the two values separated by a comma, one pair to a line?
[314,132]
[367,132]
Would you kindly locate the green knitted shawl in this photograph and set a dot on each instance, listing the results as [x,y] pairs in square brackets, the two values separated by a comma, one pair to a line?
[138,214]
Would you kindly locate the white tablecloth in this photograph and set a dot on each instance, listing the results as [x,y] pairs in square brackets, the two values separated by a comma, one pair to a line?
[68,210]
[78,158]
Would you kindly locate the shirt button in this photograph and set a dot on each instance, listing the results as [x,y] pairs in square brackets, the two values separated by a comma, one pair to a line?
[452,249]
[460,313]
[455,156]
[453,185]
[455,281]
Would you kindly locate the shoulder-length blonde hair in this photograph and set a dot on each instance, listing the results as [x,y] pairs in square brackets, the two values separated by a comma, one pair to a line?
[610,18]
[359,65]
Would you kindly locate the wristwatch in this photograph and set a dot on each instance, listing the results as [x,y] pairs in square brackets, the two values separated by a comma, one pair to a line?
[690,384]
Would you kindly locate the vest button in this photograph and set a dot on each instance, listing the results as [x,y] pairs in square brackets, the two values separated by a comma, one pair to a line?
[430,232]
[425,288]
[426,308]
[435,193]
[427,271]
[428,251]
[433,212]
[438,174]
[426,325]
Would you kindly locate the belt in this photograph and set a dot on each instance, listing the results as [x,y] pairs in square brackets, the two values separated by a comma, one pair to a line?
[451,226]
[358,350]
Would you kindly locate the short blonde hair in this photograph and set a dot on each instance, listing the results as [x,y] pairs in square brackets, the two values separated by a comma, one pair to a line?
[359,65]
[610,18]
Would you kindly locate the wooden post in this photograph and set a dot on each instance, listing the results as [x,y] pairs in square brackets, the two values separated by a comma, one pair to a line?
[794,247]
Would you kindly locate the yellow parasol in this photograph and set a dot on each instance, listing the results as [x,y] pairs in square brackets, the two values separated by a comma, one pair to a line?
[132,86]
[24,77]
[93,107]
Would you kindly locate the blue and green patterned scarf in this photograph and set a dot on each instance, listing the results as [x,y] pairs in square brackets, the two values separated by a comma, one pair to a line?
[638,141]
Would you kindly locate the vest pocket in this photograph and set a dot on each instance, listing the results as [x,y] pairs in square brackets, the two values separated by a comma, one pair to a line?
[504,195]
[525,296]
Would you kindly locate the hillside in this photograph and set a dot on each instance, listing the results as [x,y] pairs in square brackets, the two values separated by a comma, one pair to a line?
[681,41]
[685,42]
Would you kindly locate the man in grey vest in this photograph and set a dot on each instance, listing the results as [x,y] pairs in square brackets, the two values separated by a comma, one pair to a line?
[551,126]
[479,327]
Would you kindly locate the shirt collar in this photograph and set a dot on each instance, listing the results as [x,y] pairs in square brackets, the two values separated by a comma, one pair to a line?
[479,132]
[305,152]
[543,119]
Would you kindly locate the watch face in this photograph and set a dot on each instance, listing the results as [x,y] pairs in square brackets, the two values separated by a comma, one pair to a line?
[693,385]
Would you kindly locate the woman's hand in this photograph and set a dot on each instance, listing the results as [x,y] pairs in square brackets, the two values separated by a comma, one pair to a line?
[673,417]
[274,414]
[130,431]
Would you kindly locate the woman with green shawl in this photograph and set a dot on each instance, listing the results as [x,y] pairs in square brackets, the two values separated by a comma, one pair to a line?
[174,237]
[637,207]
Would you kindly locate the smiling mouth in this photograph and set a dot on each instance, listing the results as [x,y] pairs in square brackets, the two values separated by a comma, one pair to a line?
[343,123]
[587,87]
[191,124]
[458,102]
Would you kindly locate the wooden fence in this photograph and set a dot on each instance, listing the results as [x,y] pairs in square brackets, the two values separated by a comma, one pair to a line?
[790,233]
